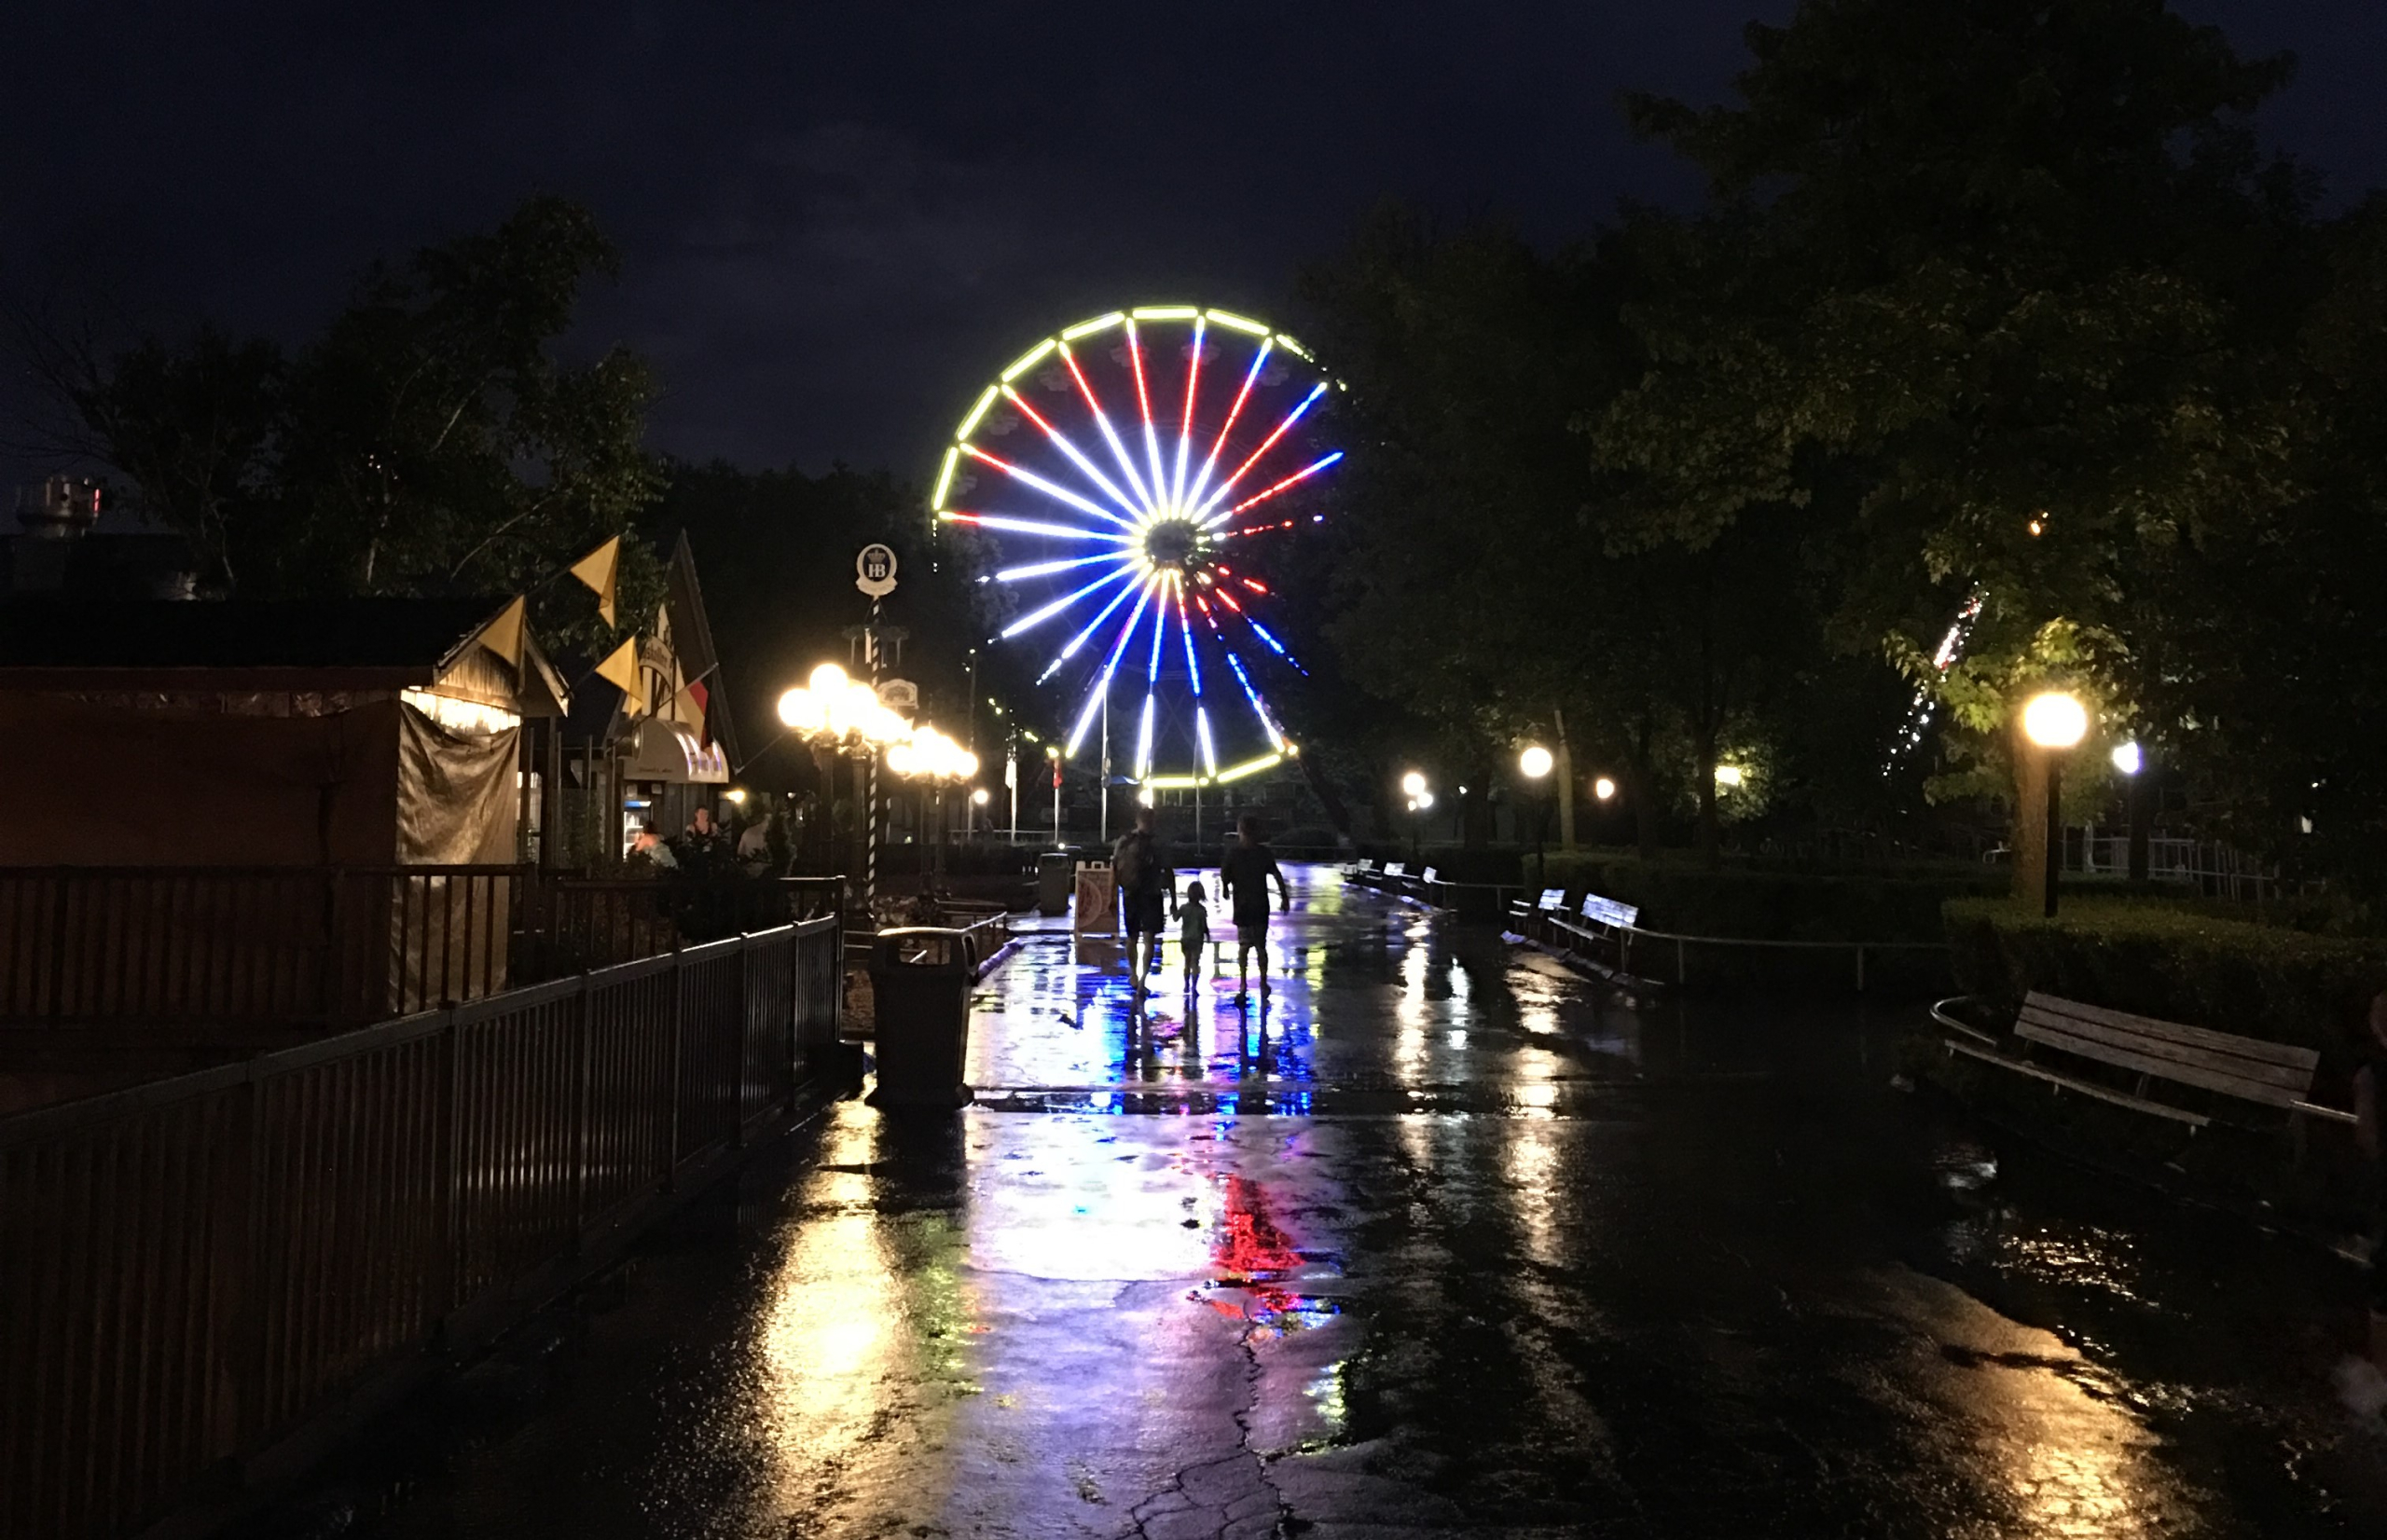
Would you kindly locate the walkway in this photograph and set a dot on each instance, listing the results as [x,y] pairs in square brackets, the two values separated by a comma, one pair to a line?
[1443,1241]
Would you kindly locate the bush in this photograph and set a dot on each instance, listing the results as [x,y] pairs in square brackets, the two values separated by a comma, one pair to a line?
[1772,905]
[2171,961]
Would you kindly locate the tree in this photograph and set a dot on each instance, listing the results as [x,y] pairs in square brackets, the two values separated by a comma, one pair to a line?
[1993,278]
[430,440]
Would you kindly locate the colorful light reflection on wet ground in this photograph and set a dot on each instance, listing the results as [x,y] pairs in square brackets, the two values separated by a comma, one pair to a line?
[1443,1241]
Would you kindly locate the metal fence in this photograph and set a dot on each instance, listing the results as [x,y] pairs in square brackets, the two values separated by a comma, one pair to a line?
[191,1269]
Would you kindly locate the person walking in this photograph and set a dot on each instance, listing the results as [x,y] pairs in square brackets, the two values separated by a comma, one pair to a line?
[1244,874]
[1139,870]
[1193,935]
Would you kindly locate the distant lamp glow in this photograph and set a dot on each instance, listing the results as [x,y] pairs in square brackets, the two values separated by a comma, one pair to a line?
[2055,719]
[2129,759]
[982,796]
[1413,784]
[737,795]
[1534,761]
[1425,800]
[1728,775]
[1604,789]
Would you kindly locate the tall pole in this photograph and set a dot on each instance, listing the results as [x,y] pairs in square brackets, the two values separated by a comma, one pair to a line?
[2054,854]
[1102,825]
[1057,805]
[1012,749]
[869,852]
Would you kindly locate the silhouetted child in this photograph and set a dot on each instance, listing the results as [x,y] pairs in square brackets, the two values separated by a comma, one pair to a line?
[1192,933]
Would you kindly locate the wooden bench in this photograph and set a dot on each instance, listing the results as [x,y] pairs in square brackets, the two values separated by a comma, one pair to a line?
[2272,1074]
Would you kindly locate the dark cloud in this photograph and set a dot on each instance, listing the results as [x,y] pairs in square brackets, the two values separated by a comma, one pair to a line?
[837,220]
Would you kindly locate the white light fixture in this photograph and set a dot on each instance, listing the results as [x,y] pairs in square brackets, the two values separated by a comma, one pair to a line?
[1534,761]
[2129,759]
[1413,783]
[1604,789]
[1728,775]
[2055,719]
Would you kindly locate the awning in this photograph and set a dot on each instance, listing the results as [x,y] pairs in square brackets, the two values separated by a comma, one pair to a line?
[671,753]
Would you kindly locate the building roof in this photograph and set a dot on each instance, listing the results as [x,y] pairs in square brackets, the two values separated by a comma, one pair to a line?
[325,634]
[249,644]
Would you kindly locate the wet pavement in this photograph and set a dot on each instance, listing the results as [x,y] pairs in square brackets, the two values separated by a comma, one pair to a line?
[1442,1240]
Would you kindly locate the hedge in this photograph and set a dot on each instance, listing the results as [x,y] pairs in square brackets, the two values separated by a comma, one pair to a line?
[1764,905]
[2168,961]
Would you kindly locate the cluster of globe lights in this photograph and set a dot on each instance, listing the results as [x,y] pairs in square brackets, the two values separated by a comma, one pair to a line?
[834,707]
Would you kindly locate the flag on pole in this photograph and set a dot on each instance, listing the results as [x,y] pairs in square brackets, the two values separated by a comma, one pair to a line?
[596,570]
[703,697]
[620,670]
[504,635]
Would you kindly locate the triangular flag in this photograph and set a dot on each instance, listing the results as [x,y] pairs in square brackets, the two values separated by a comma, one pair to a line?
[703,697]
[596,570]
[620,670]
[504,635]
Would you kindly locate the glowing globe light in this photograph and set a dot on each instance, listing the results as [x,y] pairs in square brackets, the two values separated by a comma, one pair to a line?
[1413,784]
[1728,775]
[2055,719]
[2129,759]
[1604,789]
[1132,471]
[1534,761]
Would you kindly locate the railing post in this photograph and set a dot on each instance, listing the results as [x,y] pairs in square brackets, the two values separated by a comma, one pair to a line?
[1861,968]
[672,1086]
[448,1250]
[584,1058]
[239,1326]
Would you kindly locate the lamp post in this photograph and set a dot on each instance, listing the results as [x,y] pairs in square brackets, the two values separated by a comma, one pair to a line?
[2055,722]
[842,715]
[1413,786]
[927,755]
[2131,760]
[978,798]
[1535,762]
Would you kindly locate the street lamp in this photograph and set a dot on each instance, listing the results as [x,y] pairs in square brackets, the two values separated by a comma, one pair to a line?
[2055,722]
[839,714]
[927,755]
[1535,763]
[1413,785]
[1604,789]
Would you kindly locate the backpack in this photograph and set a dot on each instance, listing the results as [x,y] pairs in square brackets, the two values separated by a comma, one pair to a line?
[1133,861]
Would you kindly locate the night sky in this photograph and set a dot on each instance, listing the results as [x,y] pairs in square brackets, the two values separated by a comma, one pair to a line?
[837,221]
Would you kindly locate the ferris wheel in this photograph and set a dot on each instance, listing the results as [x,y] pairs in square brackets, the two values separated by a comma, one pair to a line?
[1132,471]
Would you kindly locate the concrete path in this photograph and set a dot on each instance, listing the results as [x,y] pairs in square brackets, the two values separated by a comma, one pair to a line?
[1442,1241]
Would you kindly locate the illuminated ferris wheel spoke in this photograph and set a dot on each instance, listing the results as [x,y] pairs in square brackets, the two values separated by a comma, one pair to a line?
[1045,568]
[1102,685]
[1051,490]
[1185,428]
[1144,401]
[1033,527]
[1265,445]
[1259,710]
[1102,421]
[1202,729]
[1294,480]
[1070,649]
[1144,740]
[1210,462]
[1029,622]
[1061,442]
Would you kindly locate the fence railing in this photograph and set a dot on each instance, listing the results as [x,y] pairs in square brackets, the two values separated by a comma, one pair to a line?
[341,945]
[192,1267]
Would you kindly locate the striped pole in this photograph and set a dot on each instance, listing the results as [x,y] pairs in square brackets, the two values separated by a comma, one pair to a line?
[870,856]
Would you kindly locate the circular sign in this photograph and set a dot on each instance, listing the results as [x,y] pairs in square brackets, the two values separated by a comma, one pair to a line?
[874,570]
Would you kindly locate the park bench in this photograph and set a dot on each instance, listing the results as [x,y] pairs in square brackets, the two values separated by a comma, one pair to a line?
[2248,1069]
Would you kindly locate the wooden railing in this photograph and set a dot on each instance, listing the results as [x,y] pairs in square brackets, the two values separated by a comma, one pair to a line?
[191,1269]
[341,945]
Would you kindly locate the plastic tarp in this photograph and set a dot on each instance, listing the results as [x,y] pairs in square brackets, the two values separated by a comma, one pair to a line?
[457,805]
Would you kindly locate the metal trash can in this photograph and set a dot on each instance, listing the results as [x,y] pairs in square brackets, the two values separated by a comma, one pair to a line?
[920,978]
[1055,871]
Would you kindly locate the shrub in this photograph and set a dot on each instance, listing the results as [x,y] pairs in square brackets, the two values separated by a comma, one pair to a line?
[2171,961]
[1772,905]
